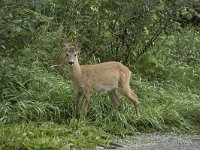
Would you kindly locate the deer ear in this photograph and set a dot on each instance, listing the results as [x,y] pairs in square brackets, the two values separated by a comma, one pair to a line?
[63,44]
[78,46]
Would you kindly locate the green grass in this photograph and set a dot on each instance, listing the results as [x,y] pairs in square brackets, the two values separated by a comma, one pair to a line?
[37,111]
[163,107]
[53,136]
[37,99]
[36,96]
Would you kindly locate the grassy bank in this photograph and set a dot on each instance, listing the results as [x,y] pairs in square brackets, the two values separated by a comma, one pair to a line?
[53,136]
[166,107]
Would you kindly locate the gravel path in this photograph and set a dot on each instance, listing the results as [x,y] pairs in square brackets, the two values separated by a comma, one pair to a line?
[162,141]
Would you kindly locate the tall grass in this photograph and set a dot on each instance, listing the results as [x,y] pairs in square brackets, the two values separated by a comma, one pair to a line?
[35,88]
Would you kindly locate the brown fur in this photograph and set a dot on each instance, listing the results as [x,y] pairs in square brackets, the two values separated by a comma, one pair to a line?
[108,77]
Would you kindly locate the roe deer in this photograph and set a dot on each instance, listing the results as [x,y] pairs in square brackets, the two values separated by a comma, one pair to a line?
[108,76]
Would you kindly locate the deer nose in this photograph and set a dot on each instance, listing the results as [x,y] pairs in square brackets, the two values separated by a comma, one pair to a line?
[71,62]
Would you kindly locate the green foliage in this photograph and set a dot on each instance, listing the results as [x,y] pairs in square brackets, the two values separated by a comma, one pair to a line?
[157,40]
[51,136]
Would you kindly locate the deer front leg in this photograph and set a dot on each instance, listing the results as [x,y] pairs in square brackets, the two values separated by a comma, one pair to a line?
[87,95]
[77,106]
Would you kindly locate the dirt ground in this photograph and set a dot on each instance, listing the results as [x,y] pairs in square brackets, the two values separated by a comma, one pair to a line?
[162,141]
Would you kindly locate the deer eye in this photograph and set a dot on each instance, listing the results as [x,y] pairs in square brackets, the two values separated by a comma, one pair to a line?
[75,55]
[67,55]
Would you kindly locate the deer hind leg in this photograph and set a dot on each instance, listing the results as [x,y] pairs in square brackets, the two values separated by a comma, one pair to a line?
[126,90]
[115,99]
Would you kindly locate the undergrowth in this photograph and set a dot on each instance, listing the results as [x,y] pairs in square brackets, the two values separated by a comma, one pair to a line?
[53,136]
[36,90]
[36,96]
[167,109]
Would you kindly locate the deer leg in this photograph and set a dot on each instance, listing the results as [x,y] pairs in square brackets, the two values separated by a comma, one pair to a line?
[77,106]
[132,96]
[115,99]
[87,95]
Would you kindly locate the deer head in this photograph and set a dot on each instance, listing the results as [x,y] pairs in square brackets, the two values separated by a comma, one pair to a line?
[71,52]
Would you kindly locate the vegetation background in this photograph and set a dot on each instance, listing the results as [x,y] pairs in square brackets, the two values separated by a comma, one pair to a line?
[159,40]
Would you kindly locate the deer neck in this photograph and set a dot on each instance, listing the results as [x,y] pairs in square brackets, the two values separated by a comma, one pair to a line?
[76,74]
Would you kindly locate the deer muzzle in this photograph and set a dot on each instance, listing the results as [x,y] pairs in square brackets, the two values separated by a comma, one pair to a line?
[71,62]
